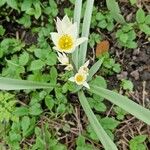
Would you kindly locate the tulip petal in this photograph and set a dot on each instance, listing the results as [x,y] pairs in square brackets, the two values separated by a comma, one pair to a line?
[80,40]
[86,85]
[71,79]
[55,37]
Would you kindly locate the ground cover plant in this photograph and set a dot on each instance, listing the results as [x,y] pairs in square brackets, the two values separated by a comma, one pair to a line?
[57,64]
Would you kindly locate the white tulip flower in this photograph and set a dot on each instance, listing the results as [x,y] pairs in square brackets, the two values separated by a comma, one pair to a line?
[84,69]
[64,60]
[65,39]
[80,79]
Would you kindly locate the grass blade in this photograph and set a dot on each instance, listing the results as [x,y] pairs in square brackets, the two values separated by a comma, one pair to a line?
[77,17]
[101,134]
[85,31]
[123,102]
[15,84]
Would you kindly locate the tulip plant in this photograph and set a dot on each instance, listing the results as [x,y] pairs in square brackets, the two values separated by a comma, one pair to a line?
[72,50]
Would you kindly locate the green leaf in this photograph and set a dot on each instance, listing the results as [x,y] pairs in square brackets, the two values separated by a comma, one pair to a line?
[99,81]
[124,37]
[133,2]
[85,31]
[114,9]
[2,2]
[2,30]
[25,20]
[24,58]
[109,123]
[147,19]
[26,5]
[35,109]
[145,28]
[14,84]
[94,68]
[127,85]
[13,4]
[123,102]
[136,143]
[77,17]
[51,59]
[21,111]
[37,65]
[53,76]
[101,134]
[49,102]
[25,123]
[140,16]
[37,12]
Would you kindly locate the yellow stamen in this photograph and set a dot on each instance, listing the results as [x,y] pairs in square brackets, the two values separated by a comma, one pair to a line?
[80,78]
[65,42]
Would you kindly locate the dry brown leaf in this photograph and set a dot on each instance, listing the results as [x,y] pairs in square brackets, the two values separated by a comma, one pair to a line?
[102,47]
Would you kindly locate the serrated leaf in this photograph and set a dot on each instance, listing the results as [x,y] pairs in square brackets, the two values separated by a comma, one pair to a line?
[26,5]
[25,123]
[23,59]
[37,65]
[140,16]
[114,9]
[13,4]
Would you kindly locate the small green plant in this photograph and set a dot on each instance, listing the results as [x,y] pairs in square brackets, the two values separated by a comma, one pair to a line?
[105,21]
[7,107]
[127,85]
[137,143]
[94,38]
[109,66]
[126,36]
[143,21]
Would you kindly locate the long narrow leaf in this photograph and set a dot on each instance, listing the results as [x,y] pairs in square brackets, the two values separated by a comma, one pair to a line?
[77,17]
[15,84]
[101,134]
[85,31]
[95,68]
[123,102]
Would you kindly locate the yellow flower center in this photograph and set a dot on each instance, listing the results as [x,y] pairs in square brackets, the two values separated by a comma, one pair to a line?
[65,42]
[80,78]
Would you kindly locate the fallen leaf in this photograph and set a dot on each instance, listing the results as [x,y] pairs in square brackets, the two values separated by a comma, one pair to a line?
[102,47]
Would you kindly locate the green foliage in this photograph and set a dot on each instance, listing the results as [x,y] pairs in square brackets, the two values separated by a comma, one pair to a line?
[120,113]
[7,107]
[137,143]
[105,20]
[126,36]
[114,9]
[2,30]
[133,2]
[109,124]
[109,65]
[82,145]
[94,38]
[143,21]
[127,85]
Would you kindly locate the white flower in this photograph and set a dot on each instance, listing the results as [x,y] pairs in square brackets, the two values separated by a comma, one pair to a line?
[80,79]
[64,60]
[65,39]
[69,67]
[84,69]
